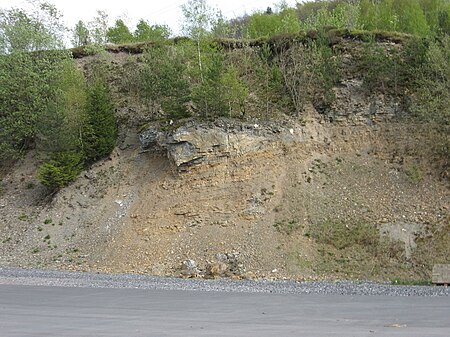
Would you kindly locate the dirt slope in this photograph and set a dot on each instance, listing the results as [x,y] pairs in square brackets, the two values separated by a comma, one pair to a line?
[245,215]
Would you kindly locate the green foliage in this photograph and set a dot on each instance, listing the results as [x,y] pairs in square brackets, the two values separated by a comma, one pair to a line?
[98,28]
[101,125]
[199,19]
[418,17]
[80,35]
[265,78]
[28,87]
[309,73]
[270,24]
[22,31]
[145,32]
[163,79]
[60,126]
[355,249]
[60,170]
[343,15]
[341,235]
[235,91]
[382,69]
[119,33]
[208,94]
[60,129]
[411,18]
[431,99]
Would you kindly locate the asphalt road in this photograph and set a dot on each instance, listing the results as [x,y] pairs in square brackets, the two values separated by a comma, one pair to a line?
[73,311]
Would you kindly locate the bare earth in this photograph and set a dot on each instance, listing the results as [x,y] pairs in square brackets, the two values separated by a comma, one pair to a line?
[244,216]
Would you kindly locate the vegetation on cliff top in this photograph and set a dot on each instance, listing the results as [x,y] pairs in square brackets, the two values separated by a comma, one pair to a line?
[263,65]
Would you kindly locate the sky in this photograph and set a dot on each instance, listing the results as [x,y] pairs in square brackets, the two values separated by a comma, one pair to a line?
[156,12]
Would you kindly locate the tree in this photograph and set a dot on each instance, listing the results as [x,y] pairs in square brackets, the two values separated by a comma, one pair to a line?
[208,95]
[101,125]
[199,18]
[309,72]
[25,31]
[163,80]
[234,90]
[431,99]
[81,35]
[267,23]
[61,129]
[98,28]
[60,170]
[145,32]
[28,81]
[411,17]
[119,33]
[28,86]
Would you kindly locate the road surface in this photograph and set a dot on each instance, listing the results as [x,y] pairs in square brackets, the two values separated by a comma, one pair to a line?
[36,310]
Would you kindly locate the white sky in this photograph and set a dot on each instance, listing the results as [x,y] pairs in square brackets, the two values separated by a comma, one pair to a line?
[160,12]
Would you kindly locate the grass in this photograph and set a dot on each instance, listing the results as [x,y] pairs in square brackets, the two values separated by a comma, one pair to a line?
[23,217]
[343,235]
[355,250]
[406,282]
[414,174]
[287,226]
[30,185]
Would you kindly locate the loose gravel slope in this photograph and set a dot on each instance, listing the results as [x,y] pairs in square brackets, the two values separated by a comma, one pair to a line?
[13,276]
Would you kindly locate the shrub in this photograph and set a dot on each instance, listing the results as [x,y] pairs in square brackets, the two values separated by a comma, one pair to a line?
[62,169]
[431,99]
[269,24]
[163,80]
[101,126]
[208,94]
[119,33]
[235,91]
[309,73]
[382,69]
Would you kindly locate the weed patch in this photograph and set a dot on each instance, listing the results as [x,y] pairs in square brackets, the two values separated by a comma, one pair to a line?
[355,250]
[287,226]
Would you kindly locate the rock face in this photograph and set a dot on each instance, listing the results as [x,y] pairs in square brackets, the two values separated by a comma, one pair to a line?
[211,143]
[150,137]
[354,105]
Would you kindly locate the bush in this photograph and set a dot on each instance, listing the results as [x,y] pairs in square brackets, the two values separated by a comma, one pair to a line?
[382,69]
[28,87]
[309,73]
[208,94]
[356,249]
[100,133]
[431,98]
[270,24]
[62,169]
[163,80]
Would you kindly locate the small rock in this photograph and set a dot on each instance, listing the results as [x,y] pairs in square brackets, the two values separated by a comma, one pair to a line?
[189,268]
[216,269]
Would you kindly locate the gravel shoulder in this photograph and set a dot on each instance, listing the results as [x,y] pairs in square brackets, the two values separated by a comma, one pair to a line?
[14,276]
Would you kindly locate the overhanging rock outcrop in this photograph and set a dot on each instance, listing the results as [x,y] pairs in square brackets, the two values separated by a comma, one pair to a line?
[212,142]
